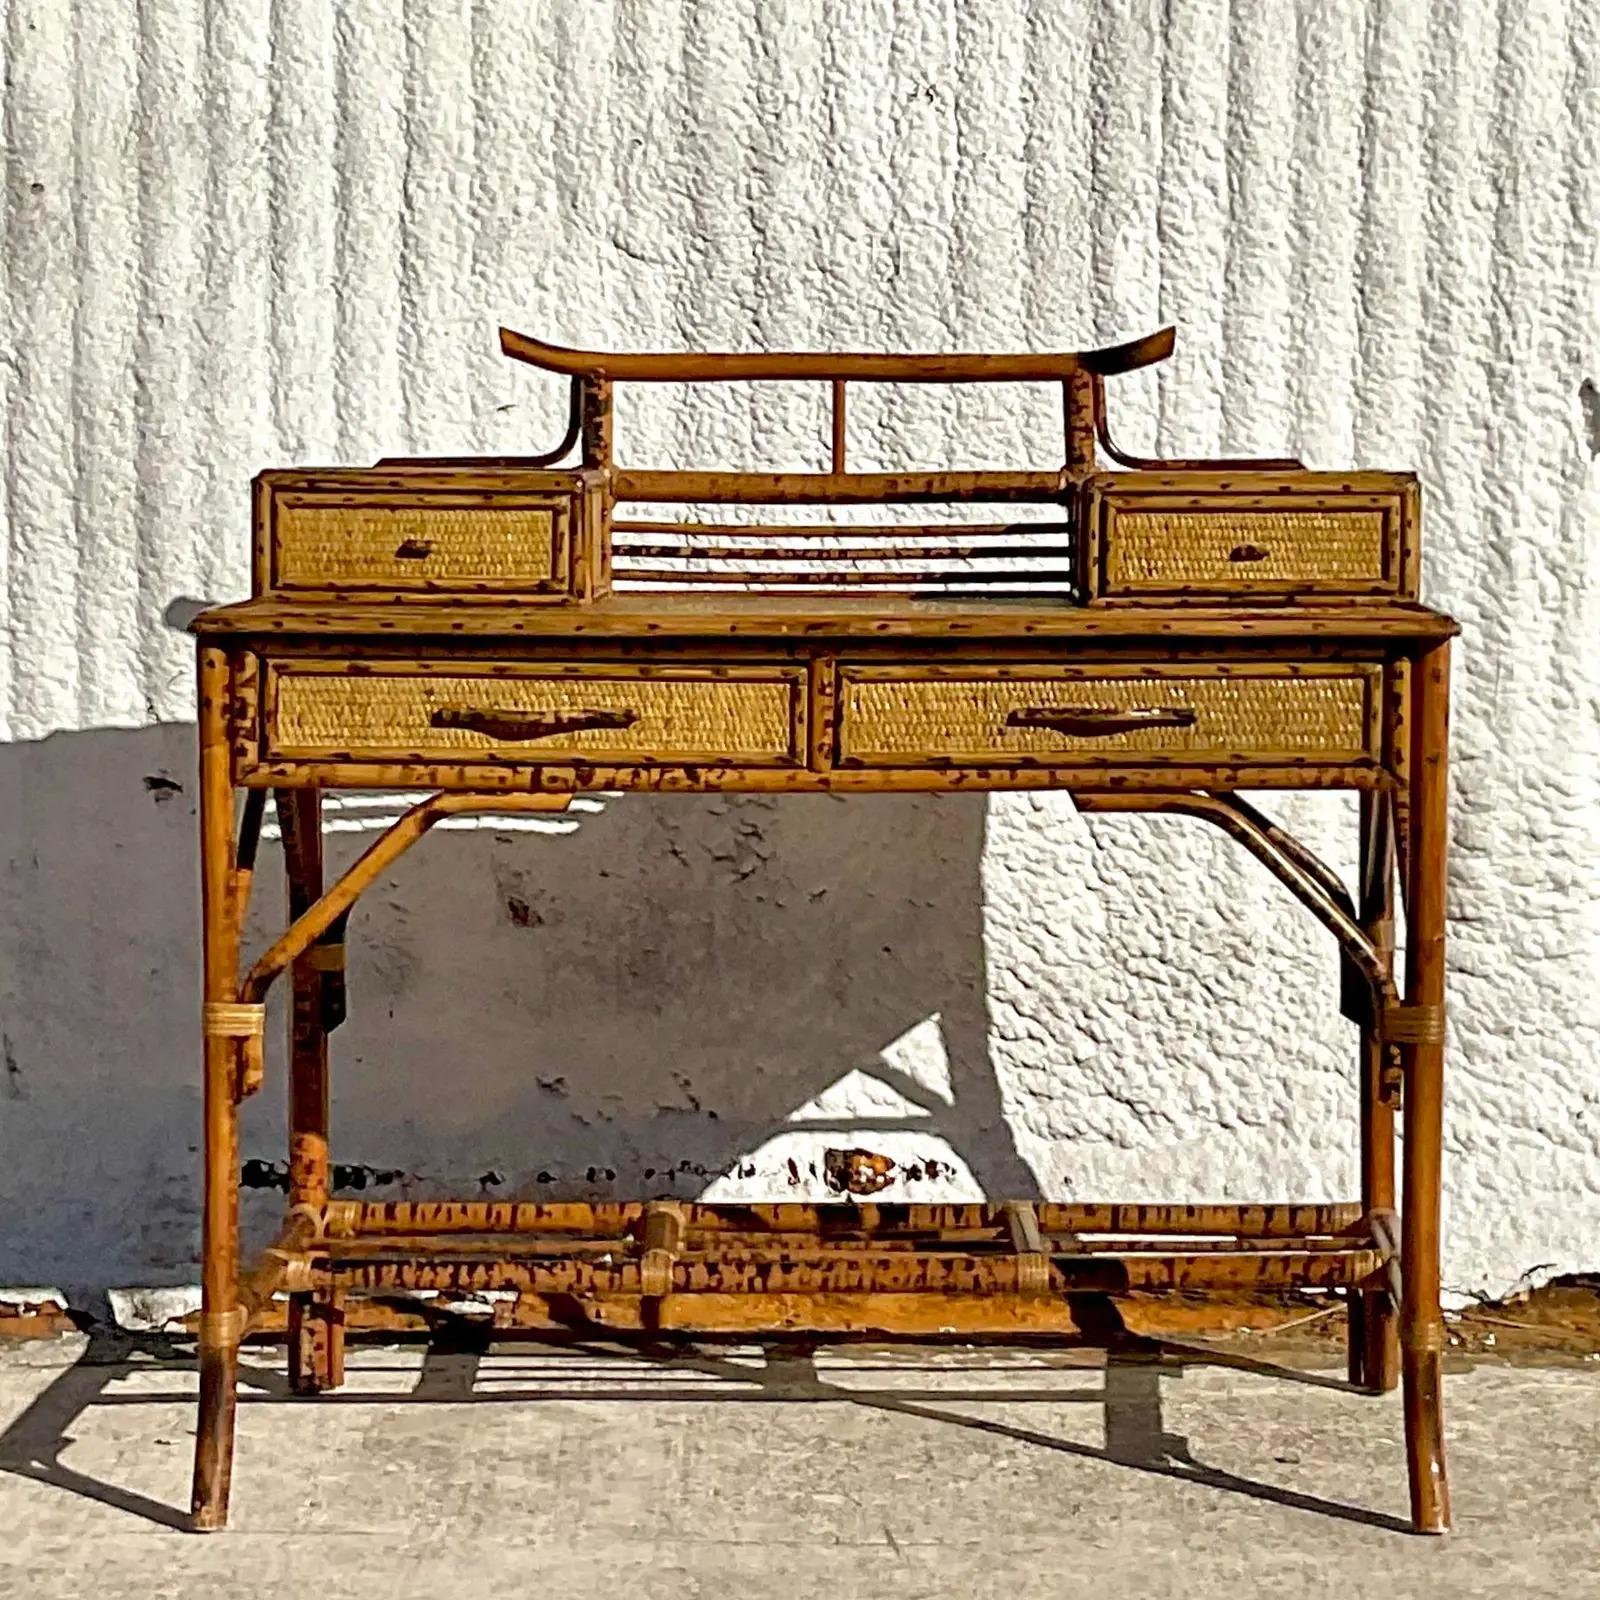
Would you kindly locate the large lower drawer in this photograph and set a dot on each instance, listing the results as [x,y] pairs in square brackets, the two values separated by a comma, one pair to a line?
[534,713]
[1267,714]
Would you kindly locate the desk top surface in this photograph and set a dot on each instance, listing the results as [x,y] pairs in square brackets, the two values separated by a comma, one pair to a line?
[845,618]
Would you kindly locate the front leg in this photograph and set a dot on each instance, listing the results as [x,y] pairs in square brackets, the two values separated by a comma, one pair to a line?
[1422,1046]
[226,1021]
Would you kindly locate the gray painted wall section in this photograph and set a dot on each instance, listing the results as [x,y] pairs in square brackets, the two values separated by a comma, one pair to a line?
[240,233]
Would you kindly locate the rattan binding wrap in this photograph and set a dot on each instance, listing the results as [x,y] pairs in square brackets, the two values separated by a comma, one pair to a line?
[1167,548]
[1312,712]
[233,1019]
[331,545]
[745,717]
[1413,1024]
[245,1021]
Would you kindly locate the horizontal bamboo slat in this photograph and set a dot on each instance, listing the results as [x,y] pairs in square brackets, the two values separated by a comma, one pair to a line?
[838,488]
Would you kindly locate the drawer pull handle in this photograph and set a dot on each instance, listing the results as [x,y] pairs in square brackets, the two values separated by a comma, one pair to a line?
[413,550]
[1086,721]
[529,724]
[1248,552]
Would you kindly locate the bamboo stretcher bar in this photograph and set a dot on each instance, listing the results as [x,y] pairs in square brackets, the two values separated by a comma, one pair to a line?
[347,1218]
[860,1272]
[533,1247]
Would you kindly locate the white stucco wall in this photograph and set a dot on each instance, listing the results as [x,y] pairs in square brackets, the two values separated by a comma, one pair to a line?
[240,233]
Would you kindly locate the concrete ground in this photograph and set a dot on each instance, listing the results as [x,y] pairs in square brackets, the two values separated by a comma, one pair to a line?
[552,1471]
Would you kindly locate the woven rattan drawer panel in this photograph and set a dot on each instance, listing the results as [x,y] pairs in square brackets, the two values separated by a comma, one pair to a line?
[380,534]
[1271,714]
[326,546]
[1262,535]
[723,716]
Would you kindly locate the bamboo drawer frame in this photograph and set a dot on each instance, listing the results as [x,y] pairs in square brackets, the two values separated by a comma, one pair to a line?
[498,632]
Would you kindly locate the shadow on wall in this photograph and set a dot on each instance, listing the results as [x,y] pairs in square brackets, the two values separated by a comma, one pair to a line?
[637,1006]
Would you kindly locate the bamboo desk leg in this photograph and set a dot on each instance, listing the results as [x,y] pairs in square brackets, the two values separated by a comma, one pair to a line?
[1421,1325]
[221,1322]
[316,1325]
[1374,1353]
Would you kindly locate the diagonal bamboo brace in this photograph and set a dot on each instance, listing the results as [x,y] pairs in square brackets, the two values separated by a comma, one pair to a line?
[382,853]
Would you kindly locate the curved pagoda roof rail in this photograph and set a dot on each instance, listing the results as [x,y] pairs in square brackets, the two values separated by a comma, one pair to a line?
[708,366]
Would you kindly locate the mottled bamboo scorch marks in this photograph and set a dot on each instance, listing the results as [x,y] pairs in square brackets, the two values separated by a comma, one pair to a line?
[490,630]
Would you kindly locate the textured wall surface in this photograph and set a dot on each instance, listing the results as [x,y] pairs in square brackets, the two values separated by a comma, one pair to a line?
[240,233]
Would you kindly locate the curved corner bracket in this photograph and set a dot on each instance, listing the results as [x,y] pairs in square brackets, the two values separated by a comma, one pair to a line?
[520,463]
[1308,879]
[569,439]
[382,853]
[1102,429]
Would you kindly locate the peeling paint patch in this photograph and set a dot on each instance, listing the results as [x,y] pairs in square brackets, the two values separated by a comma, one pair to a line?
[258,1174]
[1589,399]
[520,914]
[857,1171]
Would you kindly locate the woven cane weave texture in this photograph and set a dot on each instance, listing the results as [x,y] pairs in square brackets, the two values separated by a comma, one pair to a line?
[1187,547]
[696,718]
[1315,714]
[330,545]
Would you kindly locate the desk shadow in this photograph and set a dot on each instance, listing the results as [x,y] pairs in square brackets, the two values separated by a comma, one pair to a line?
[642,1372]
[637,1006]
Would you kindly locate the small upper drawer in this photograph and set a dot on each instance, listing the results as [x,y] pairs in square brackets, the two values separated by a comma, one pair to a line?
[386,533]
[1279,714]
[1256,535]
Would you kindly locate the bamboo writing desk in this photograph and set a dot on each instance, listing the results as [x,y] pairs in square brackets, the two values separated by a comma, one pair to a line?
[493,630]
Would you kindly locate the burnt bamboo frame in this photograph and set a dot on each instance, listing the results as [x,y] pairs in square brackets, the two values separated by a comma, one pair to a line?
[976,1270]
